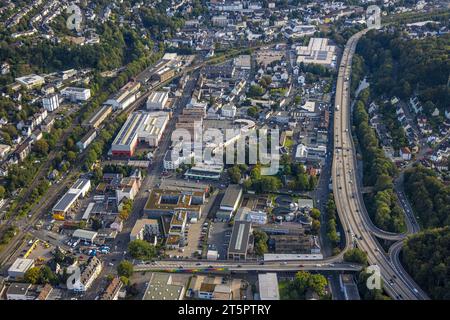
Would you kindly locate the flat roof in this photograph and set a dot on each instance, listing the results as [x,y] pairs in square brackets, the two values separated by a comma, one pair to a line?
[160,288]
[21,265]
[84,234]
[268,286]
[18,288]
[141,223]
[231,195]
[239,237]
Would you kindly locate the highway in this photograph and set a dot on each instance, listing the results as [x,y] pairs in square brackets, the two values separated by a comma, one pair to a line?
[359,230]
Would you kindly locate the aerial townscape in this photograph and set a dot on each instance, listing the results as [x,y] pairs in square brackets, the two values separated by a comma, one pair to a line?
[224,150]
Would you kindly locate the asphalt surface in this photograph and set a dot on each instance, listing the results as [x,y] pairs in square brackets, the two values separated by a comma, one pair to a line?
[360,231]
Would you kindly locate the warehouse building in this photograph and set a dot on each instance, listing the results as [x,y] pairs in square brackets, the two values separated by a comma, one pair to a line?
[79,189]
[85,235]
[157,100]
[126,96]
[20,267]
[240,240]
[87,139]
[230,202]
[140,126]
[97,119]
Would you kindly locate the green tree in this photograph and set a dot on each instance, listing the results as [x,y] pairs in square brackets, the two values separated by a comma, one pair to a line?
[140,249]
[32,275]
[356,255]
[125,269]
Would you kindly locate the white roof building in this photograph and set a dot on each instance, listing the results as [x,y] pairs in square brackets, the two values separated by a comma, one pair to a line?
[318,51]
[157,100]
[268,286]
[19,267]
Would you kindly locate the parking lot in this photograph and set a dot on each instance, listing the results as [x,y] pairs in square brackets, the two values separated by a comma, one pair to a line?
[219,237]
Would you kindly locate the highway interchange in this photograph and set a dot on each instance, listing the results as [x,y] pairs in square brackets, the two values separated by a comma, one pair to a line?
[360,231]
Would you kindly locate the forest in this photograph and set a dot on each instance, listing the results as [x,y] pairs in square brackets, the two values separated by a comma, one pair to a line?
[402,67]
[379,172]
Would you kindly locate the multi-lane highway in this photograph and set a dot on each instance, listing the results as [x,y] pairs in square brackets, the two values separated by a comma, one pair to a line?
[359,230]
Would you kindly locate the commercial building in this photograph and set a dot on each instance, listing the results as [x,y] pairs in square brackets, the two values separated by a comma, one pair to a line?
[157,100]
[239,241]
[204,172]
[268,286]
[97,119]
[163,287]
[31,81]
[20,267]
[76,94]
[318,51]
[144,229]
[140,126]
[79,189]
[85,235]
[314,154]
[126,95]
[230,202]
[166,202]
[51,102]
[19,291]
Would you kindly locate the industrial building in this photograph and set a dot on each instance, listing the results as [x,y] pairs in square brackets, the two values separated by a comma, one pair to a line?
[157,100]
[76,94]
[240,240]
[79,189]
[87,139]
[230,202]
[85,235]
[20,267]
[97,119]
[140,126]
[126,95]
[318,51]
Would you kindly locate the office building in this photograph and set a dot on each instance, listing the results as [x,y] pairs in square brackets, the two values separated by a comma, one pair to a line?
[76,94]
